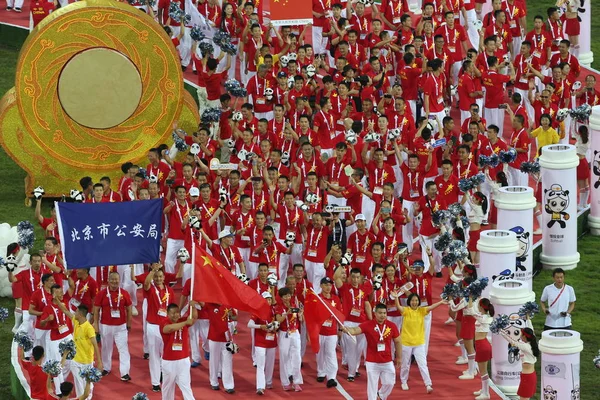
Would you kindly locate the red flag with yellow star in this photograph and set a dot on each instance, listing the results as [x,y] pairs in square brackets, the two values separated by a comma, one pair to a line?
[213,283]
[317,311]
[290,12]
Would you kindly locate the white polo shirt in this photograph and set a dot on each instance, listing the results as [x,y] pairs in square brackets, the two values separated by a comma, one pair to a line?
[549,295]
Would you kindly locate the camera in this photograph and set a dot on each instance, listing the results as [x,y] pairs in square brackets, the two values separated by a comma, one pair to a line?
[295,310]
[387,96]
[170,181]
[502,107]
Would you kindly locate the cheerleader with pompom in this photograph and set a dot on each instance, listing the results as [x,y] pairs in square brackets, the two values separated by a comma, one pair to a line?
[483,318]
[478,203]
[467,334]
[466,275]
[528,348]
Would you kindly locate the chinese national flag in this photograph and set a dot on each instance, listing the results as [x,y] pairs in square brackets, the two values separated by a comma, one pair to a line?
[317,311]
[213,283]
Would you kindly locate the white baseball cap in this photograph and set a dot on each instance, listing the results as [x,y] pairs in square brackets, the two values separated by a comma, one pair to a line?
[225,233]
[194,192]
[267,295]
[360,217]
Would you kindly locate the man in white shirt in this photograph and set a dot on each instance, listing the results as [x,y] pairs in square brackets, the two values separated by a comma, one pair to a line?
[560,299]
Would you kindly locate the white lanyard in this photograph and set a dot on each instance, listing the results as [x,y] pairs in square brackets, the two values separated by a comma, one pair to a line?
[364,247]
[436,85]
[341,230]
[512,140]
[313,244]
[460,174]
[32,281]
[160,302]
[413,181]
[511,13]
[328,122]
[83,290]
[448,41]
[287,217]
[554,35]
[262,202]
[339,170]
[381,331]
[354,299]
[231,259]
[44,296]
[386,238]
[56,316]
[187,210]
[110,303]
[304,166]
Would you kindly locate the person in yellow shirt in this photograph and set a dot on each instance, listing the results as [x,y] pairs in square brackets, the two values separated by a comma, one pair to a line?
[413,338]
[545,134]
[86,346]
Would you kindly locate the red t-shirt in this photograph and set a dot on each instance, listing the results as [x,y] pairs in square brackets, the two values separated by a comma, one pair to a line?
[413,182]
[243,221]
[433,87]
[264,339]
[229,256]
[176,216]
[329,327]
[428,207]
[520,141]
[30,281]
[466,86]
[290,322]
[290,221]
[447,189]
[113,306]
[494,88]
[270,255]
[53,232]
[84,293]
[186,291]
[61,326]
[39,11]
[379,335]
[37,381]
[353,300]
[390,242]
[39,300]
[422,286]
[453,40]
[176,344]
[316,243]
[158,300]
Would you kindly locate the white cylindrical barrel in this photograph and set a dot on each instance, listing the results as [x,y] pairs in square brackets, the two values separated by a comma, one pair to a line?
[497,252]
[559,206]
[515,206]
[594,215]
[560,350]
[508,297]
[585,56]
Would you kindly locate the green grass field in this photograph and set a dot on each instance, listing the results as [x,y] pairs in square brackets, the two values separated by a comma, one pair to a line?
[585,316]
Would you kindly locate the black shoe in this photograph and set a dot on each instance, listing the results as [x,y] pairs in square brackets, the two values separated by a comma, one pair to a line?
[291,378]
[155,388]
[230,391]
[215,388]
[146,356]
[8,8]
[26,358]
[357,375]
[126,378]
[331,383]
[17,9]
[105,372]
[320,379]
[301,365]
[195,72]
[439,275]
[183,68]
[350,379]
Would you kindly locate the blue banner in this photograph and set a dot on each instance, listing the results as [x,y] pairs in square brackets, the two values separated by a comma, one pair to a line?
[103,234]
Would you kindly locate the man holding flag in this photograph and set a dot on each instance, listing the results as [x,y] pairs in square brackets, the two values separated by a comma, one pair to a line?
[288,314]
[379,334]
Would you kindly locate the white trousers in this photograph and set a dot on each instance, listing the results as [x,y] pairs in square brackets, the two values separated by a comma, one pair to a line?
[155,349]
[53,353]
[127,284]
[353,348]
[471,30]
[265,364]
[495,116]
[145,324]
[317,39]
[428,318]
[327,365]
[398,322]
[221,361]
[528,106]
[198,332]
[19,4]
[437,257]
[79,382]
[173,246]
[252,270]
[408,229]
[376,372]
[42,338]
[315,271]
[187,273]
[420,357]
[176,372]
[289,358]
[118,335]
[284,262]
[517,178]
[245,253]
[28,327]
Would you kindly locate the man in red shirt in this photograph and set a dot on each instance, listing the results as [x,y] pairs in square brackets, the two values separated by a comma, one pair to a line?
[256,92]
[495,87]
[467,93]
[292,221]
[48,224]
[457,42]
[177,211]
[501,30]
[428,232]
[112,319]
[359,243]
[252,38]
[82,291]
[316,248]
[30,281]
[109,194]
[269,252]
[380,334]
[327,365]
[288,314]
[219,334]
[541,42]
[159,296]
[357,309]
[447,184]
[38,379]
[265,340]
[520,141]
[409,78]
[175,361]
[433,89]
[39,300]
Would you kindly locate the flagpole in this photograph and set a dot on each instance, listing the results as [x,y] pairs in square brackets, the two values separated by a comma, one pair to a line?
[331,312]
[193,267]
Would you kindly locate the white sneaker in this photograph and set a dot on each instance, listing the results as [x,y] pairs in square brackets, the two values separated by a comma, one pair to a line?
[477,393]
[466,377]
[134,311]
[537,231]
[457,344]
[449,321]
[482,397]
[429,389]
[404,386]
[461,361]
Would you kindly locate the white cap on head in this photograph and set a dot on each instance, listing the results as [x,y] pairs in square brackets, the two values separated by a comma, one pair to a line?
[267,295]
[194,192]
[225,233]
[360,217]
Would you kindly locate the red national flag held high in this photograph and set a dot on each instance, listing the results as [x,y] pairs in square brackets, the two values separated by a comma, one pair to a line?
[316,312]
[213,283]
[290,12]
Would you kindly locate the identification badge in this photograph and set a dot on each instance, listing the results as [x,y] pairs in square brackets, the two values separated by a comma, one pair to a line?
[441,100]
[537,54]
[177,347]
[392,309]
[115,313]
[327,323]
[360,259]
[312,253]
[260,100]
[452,49]
[414,193]
[63,329]
[75,303]
[523,80]
[270,336]
[245,238]
[162,312]
[513,24]
[396,20]
[378,190]
[380,346]
[355,312]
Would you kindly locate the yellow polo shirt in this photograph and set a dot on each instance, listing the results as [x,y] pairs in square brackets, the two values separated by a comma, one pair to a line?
[82,333]
[413,326]
[545,138]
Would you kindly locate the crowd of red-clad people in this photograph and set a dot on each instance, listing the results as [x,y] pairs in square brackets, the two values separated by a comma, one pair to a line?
[328,175]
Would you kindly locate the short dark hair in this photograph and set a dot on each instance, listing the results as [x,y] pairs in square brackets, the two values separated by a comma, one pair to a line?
[557,271]
[284,292]
[37,353]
